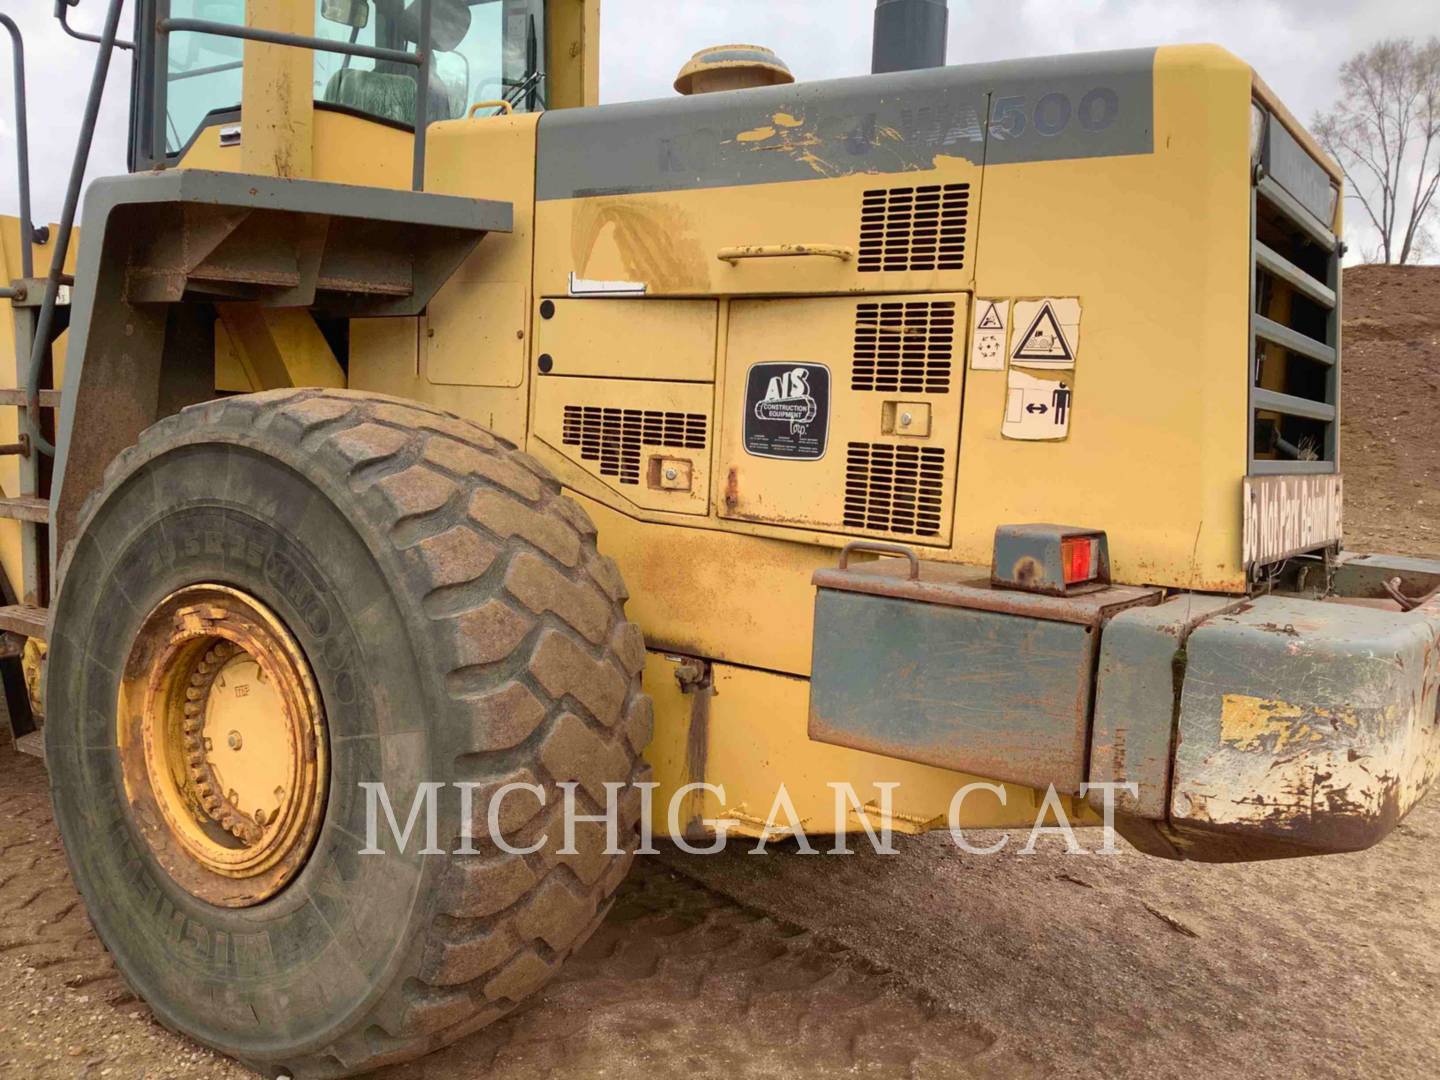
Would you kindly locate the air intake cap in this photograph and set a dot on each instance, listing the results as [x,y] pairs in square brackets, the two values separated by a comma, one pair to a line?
[732,67]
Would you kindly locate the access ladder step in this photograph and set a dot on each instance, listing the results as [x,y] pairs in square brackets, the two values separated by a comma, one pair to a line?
[25,508]
[49,399]
[32,744]
[27,620]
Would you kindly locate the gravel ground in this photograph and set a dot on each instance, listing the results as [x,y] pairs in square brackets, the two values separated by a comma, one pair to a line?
[928,963]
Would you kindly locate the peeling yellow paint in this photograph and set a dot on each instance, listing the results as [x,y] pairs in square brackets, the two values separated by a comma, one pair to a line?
[759,134]
[786,120]
[1255,723]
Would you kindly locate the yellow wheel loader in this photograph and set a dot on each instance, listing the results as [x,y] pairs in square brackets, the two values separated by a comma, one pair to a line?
[410,438]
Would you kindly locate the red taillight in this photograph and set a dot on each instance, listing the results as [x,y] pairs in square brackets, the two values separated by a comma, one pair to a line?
[1078,556]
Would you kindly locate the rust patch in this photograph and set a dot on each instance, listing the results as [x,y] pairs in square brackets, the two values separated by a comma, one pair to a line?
[1027,570]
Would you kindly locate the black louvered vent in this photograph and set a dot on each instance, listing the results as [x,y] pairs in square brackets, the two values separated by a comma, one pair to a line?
[897,489]
[914,228]
[613,437]
[904,346]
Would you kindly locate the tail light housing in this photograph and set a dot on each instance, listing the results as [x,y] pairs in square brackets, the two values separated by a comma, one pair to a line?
[1057,560]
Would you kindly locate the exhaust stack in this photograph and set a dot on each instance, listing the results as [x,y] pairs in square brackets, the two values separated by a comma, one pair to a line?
[909,34]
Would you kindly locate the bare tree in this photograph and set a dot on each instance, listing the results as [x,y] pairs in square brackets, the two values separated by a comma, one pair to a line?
[1385,132]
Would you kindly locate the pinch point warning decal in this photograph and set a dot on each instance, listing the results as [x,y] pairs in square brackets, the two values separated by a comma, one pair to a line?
[1047,332]
[787,411]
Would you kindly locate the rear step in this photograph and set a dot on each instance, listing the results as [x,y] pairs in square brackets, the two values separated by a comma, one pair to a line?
[32,744]
[25,508]
[49,399]
[26,620]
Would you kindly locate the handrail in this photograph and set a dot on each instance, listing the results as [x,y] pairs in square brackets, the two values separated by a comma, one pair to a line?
[40,348]
[733,255]
[504,106]
[22,150]
[282,37]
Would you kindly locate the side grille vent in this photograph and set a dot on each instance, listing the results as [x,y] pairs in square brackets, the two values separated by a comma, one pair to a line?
[613,437]
[904,347]
[914,228]
[897,489]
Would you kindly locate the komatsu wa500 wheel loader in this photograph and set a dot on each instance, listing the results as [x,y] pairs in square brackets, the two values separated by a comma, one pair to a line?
[408,434]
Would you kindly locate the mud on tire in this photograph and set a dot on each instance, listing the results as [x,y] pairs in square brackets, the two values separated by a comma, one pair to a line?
[461,627]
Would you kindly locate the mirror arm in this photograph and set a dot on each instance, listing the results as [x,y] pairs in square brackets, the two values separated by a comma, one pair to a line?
[80,35]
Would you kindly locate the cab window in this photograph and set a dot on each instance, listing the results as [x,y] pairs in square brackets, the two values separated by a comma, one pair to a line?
[484,51]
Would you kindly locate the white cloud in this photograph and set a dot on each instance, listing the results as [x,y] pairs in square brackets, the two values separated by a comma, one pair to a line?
[1296,45]
[57,75]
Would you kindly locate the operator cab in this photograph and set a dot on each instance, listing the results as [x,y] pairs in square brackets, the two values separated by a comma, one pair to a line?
[485,51]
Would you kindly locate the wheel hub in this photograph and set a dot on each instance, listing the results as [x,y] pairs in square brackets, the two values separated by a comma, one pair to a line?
[223,745]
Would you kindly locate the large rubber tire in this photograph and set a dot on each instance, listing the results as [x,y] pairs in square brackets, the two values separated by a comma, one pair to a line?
[460,625]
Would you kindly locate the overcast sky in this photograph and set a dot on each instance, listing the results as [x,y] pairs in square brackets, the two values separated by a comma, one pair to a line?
[1296,45]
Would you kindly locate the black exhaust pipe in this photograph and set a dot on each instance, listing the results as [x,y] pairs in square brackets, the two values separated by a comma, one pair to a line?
[909,34]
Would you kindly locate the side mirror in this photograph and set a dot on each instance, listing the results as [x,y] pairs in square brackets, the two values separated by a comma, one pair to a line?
[352,13]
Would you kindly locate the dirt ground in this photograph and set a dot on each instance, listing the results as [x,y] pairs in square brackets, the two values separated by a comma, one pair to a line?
[1390,408]
[929,963]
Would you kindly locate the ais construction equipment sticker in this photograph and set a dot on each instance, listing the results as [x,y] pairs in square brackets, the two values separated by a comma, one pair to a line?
[787,411]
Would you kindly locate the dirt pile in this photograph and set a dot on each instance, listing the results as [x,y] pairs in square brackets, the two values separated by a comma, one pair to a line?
[1390,408]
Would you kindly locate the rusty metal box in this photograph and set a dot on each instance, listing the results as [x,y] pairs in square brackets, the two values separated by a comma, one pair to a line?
[927,662]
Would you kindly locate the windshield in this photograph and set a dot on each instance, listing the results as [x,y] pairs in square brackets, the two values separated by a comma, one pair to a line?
[485,50]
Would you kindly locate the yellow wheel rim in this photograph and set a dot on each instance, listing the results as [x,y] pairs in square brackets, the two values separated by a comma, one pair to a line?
[222,745]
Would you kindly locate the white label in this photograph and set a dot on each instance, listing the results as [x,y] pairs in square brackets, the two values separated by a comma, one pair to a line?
[1037,406]
[1047,332]
[987,348]
[1285,515]
[584,287]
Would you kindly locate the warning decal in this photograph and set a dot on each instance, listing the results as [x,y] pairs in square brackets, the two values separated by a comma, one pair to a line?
[1037,406]
[987,349]
[1051,334]
[787,411]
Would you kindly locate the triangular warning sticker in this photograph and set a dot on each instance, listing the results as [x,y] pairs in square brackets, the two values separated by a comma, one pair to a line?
[991,319]
[1044,340]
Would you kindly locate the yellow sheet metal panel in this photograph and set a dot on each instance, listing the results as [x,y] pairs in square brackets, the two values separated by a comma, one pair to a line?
[672,241]
[668,752]
[843,414]
[475,334]
[347,150]
[673,340]
[1149,249]
[488,157]
[647,442]
[479,323]
[726,595]
[1156,248]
